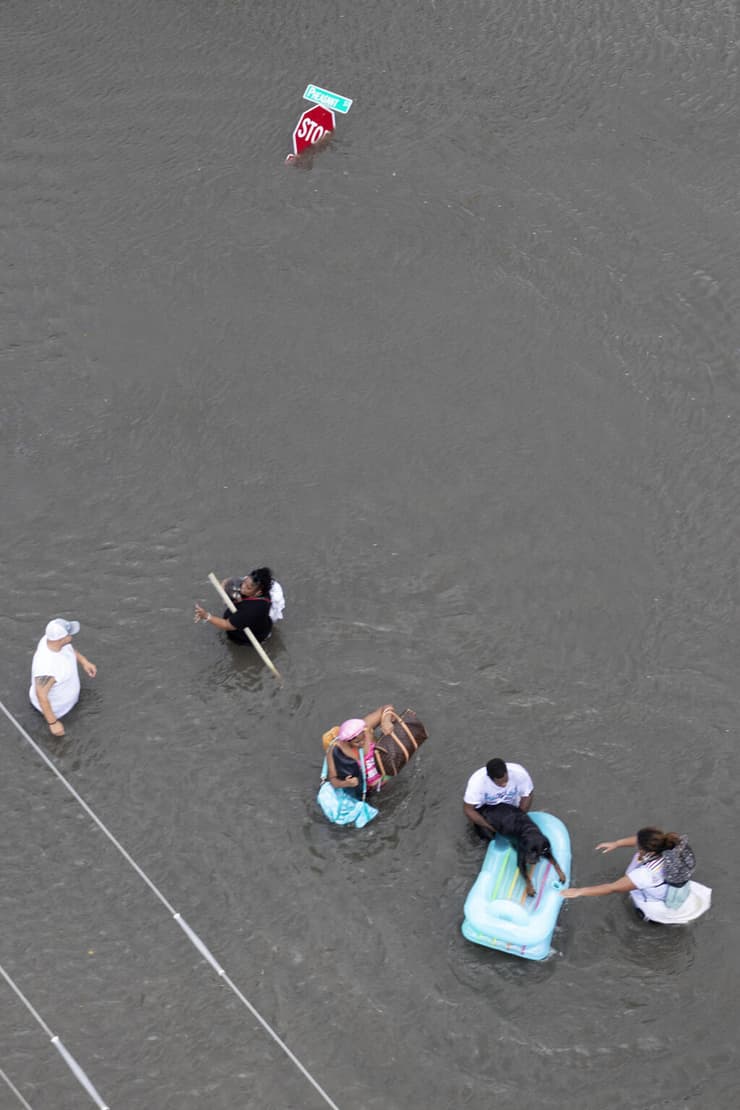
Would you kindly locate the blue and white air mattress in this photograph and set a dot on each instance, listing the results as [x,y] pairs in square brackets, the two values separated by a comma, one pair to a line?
[498,913]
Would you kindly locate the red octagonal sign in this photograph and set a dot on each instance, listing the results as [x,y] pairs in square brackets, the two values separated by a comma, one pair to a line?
[311,127]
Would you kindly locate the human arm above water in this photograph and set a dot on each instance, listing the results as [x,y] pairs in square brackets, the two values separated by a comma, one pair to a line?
[610,845]
[619,886]
[43,684]
[477,818]
[202,614]
[89,668]
[382,717]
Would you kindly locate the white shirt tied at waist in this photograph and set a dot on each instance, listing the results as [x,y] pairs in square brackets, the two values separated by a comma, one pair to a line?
[277,598]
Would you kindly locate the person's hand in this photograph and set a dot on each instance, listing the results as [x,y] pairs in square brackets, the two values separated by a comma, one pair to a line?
[387,717]
[572,892]
[200,613]
[89,668]
[352,781]
[607,846]
[57,728]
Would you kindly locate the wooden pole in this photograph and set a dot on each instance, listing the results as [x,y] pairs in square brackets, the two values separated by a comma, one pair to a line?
[247,631]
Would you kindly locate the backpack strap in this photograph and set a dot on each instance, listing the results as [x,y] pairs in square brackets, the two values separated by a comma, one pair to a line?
[325,764]
[361,762]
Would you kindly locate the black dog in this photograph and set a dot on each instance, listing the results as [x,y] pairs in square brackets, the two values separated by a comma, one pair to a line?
[530,842]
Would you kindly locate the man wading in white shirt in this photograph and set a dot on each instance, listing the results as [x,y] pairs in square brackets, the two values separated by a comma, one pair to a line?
[496,782]
[55,680]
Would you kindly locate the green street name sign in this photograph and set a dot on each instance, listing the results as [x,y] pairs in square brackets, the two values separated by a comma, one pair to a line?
[327,99]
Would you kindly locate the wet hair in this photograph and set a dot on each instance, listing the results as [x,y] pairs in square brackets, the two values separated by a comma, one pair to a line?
[496,769]
[655,840]
[262,577]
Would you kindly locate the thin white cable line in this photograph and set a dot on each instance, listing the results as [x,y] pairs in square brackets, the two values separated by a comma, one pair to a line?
[66,1055]
[26,1003]
[190,933]
[15,1090]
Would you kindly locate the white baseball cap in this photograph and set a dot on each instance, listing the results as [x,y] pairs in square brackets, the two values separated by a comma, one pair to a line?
[59,628]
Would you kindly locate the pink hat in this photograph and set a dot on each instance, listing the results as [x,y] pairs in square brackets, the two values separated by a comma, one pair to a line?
[348,730]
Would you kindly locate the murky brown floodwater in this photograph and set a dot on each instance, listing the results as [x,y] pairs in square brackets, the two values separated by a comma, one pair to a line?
[470,386]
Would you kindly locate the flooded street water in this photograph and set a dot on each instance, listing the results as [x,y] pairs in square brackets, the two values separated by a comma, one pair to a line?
[470,386]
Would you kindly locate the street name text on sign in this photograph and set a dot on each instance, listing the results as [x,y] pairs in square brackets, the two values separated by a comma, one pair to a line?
[333,101]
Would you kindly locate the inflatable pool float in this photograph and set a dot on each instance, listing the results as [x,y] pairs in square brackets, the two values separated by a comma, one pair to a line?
[498,913]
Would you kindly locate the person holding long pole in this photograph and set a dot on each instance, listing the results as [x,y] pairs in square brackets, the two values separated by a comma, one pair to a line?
[248,620]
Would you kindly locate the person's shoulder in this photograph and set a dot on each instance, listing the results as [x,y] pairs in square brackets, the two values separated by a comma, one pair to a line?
[517,769]
[640,876]
[647,873]
[475,791]
[42,650]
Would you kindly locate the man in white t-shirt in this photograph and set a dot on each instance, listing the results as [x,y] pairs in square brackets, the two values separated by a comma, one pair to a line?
[55,680]
[496,782]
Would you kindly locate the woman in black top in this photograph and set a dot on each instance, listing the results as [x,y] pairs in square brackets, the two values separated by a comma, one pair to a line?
[252,612]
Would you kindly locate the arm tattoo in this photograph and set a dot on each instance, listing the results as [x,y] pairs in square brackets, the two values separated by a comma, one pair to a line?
[44,682]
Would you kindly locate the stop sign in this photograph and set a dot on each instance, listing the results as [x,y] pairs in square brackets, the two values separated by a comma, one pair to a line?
[312,126]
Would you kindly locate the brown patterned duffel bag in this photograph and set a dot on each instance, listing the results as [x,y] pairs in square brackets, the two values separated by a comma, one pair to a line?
[394,749]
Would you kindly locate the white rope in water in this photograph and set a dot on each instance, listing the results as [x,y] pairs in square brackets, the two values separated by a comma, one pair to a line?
[189,933]
[15,1090]
[66,1055]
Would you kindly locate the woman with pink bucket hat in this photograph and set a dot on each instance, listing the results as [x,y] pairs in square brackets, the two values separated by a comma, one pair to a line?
[349,771]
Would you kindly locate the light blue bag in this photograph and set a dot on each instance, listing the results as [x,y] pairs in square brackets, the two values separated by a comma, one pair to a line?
[340,807]
[677,895]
